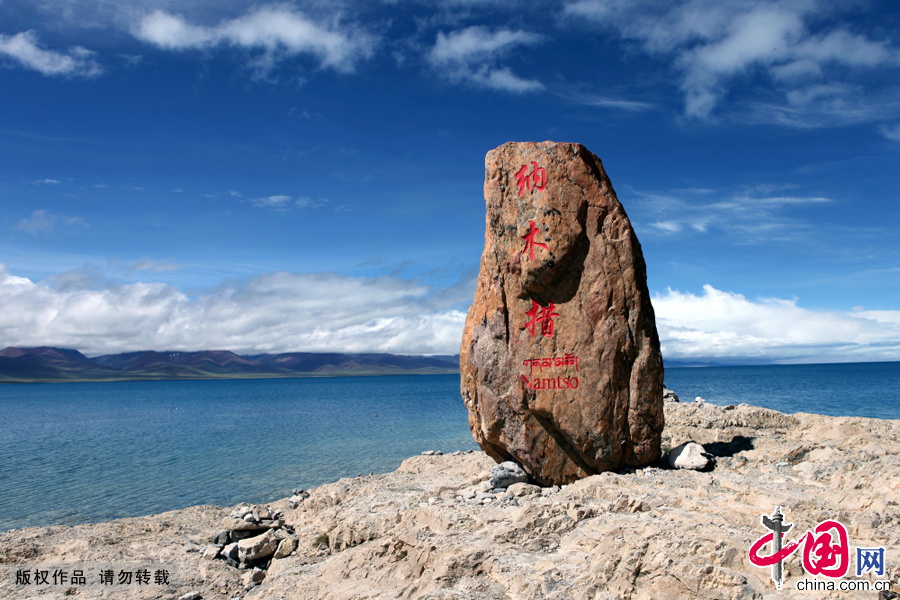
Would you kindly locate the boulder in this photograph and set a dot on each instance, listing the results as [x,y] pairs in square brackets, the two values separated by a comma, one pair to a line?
[507,473]
[285,547]
[559,362]
[257,547]
[689,455]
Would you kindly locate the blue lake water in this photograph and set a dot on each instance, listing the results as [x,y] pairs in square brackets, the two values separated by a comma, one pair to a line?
[86,452]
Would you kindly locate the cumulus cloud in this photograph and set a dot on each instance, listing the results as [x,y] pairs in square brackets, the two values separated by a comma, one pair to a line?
[274,312]
[713,43]
[274,31]
[725,325]
[24,49]
[43,222]
[282,312]
[471,55]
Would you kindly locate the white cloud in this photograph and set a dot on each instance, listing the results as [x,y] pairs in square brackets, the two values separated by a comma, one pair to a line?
[275,312]
[282,312]
[668,226]
[727,325]
[43,222]
[744,218]
[892,133]
[283,202]
[714,43]
[157,266]
[23,48]
[277,201]
[605,102]
[172,32]
[470,56]
[275,31]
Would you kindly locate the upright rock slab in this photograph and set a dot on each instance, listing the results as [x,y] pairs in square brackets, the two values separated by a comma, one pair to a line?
[560,364]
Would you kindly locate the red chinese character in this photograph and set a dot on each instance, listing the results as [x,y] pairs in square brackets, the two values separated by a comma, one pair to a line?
[539,174]
[543,315]
[821,557]
[529,241]
[777,557]
[538,177]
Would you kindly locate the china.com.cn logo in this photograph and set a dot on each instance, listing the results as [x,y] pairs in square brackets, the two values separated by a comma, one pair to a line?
[826,552]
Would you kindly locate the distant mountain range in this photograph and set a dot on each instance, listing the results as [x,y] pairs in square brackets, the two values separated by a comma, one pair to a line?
[47,364]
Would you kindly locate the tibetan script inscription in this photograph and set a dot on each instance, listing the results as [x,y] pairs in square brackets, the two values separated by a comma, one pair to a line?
[547,363]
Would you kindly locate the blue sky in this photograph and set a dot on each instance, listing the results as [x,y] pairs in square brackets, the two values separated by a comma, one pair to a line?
[269,177]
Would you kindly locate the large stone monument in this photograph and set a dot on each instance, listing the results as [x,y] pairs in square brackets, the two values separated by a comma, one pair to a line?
[560,364]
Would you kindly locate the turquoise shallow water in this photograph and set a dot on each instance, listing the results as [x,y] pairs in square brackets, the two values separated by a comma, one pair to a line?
[87,452]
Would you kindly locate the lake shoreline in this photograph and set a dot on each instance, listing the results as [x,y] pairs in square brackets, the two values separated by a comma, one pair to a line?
[432,529]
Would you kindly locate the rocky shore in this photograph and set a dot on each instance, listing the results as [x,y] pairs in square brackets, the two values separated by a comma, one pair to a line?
[436,528]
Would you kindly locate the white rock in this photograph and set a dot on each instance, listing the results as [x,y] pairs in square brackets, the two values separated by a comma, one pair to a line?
[689,455]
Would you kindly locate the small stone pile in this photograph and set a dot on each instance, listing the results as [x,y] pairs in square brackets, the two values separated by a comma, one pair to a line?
[253,536]
[297,497]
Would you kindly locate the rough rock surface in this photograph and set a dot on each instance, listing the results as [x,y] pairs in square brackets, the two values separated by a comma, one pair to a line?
[560,363]
[419,533]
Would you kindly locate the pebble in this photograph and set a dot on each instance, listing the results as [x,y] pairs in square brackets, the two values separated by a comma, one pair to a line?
[191,596]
